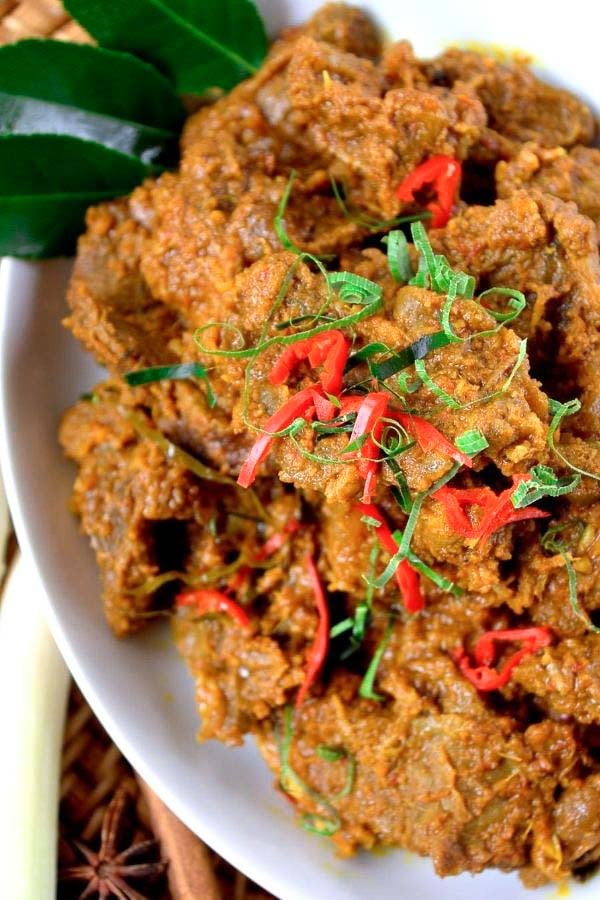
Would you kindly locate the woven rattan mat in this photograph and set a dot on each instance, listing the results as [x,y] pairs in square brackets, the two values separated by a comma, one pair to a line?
[116,837]
[106,811]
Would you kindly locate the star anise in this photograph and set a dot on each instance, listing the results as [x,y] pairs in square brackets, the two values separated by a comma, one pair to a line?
[109,869]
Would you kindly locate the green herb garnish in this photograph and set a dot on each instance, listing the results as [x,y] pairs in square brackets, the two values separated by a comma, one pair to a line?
[559,411]
[435,272]
[341,627]
[370,522]
[403,551]
[353,290]
[363,611]
[400,360]
[369,222]
[366,689]
[394,440]
[333,754]
[400,490]
[398,256]
[288,244]
[543,482]
[439,392]
[550,543]
[471,442]
[171,373]
[330,754]
[291,783]
[516,304]
[439,580]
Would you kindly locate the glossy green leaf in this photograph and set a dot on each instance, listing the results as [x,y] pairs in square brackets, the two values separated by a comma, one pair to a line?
[51,87]
[198,44]
[46,184]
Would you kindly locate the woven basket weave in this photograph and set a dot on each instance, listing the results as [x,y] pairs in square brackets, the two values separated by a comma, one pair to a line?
[94,771]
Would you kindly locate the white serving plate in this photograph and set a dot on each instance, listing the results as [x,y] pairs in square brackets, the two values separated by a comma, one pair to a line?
[140,689]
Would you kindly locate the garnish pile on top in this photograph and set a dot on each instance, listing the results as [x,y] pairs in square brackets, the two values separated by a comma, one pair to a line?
[378,419]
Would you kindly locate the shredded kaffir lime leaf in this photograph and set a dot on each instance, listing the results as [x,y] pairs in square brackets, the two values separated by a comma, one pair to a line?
[516,305]
[398,256]
[543,482]
[394,439]
[291,783]
[471,442]
[366,689]
[403,551]
[333,754]
[370,222]
[439,392]
[403,359]
[172,373]
[353,290]
[280,230]
[435,272]
[439,580]
[551,543]
[559,411]
[370,522]
[400,491]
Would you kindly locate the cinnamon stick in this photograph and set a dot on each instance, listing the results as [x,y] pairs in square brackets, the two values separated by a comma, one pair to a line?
[190,871]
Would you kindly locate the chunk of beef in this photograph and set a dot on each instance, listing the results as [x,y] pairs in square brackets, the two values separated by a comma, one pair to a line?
[565,678]
[372,141]
[346,27]
[462,789]
[112,311]
[577,822]
[520,107]
[242,674]
[124,489]
[544,584]
[572,175]
[545,248]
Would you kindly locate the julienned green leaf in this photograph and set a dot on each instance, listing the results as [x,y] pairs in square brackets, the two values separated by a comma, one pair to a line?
[51,87]
[46,184]
[198,44]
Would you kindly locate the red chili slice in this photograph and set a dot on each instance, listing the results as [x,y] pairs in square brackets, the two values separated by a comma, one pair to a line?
[504,513]
[443,174]
[457,500]
[211,601]
[351,403]
[277,540]
[299,404]
[498,510]
[534,638]
[271,546]
[407,578]
[329,349]
[368,422]
[429,438]
[324,408]
[409,582]
[483,676]
[318,651]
